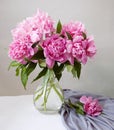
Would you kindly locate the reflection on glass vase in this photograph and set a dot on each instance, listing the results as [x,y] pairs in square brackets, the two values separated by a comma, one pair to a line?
[48,96]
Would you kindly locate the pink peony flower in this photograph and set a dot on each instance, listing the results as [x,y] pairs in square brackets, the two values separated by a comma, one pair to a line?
[91,106]
[54,50]
[32,29]
[19,51]
[90,47]
[27,33]
[80,49]
[74,28]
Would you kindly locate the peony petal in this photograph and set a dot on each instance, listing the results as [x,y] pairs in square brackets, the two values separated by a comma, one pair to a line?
[70,58]
[83,99]
[34,36]
[69,47]
[50,63]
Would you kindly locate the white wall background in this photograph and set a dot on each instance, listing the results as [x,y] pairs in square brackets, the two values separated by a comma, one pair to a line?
[98,16]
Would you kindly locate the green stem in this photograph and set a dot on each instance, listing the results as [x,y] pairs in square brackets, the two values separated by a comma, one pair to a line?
[58,93]
[38,96]
[48,91]
[45,90]
[39,90]
[46,79]
[45,100]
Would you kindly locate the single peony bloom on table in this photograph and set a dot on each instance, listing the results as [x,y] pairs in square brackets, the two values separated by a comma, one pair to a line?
[91,106]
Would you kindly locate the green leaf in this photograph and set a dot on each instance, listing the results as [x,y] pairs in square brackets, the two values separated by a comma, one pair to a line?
[84,35]
[79,108]
[42,63]
[74,69]
[13,64]
[59,27]
[77,67]
[24,76]
[58,69]
[69,67]
[19,68]
[58,76]
[74,72]
[80,111]
[42,73]
[69,36]
[35,44]
[79,103]
[30,67]
[55,68]
[72,105]
[38,55]
[17,71]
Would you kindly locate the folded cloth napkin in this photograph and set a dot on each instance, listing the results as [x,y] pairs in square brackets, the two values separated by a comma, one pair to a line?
[75,121]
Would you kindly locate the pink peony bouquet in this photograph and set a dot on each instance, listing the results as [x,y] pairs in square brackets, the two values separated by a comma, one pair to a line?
[37,42]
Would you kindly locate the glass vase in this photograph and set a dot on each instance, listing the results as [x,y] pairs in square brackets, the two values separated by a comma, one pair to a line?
[48,97]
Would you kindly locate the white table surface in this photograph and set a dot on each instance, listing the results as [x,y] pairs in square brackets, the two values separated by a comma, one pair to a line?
[19,113]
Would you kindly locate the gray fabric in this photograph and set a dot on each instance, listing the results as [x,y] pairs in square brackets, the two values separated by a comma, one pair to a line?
[74,121]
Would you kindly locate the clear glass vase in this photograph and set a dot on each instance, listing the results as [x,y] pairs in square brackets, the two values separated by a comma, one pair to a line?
[48,97]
